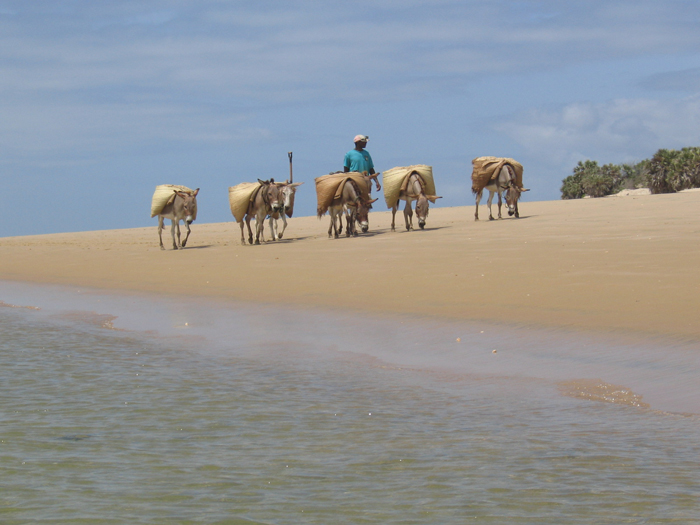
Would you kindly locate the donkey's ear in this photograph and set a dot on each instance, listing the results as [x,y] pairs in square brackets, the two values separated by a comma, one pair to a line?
[372,201]
[524,189]
[432,198]
[195,192]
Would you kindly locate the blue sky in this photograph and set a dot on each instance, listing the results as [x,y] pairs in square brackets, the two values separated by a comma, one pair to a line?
[102,101]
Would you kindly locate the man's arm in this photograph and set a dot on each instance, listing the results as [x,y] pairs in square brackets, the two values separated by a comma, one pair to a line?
[375,176]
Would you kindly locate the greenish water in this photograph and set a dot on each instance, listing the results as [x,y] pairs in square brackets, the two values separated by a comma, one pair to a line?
[324,420]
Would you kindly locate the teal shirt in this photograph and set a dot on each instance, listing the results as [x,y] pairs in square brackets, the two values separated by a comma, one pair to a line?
[360,161]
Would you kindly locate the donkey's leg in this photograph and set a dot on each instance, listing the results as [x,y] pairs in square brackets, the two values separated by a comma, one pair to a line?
[250,231]
[160,231]
[337,223]
[184,243]
[259,227]
[500,203]
[262,229]
[273,226]
[242,236]
[284,225]
[177,229]
[478,200]
[517,215]
[489,202]
[172,232]
[351,219]
[257,231]
[393,216]
[408,215]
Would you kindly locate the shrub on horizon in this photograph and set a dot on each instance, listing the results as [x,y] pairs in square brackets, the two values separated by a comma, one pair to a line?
[668,171]
[674,170]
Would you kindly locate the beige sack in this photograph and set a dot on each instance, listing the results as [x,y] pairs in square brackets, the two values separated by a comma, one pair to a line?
[164,195]
[394,179]
[239,198]
[487,168]
[329,187]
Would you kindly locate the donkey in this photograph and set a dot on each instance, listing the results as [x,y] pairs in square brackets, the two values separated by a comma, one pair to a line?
[354,206]
[265,202]
[504,183]
[357,215]
[415,191]
[287,192]
[182,208]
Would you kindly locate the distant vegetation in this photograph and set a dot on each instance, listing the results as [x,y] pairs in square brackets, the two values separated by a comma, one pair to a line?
[668,171]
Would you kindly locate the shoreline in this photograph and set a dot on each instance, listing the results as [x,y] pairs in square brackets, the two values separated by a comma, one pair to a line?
[640,372]
[610,265]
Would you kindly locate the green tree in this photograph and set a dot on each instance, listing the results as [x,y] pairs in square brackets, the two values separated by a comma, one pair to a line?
[662,169]
[572,186]
[666,172]
[598,184]
[635,175]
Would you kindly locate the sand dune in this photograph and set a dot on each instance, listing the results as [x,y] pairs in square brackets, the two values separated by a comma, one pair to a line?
[611,264]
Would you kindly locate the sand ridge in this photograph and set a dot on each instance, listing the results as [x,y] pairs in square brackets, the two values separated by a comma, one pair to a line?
[610,264]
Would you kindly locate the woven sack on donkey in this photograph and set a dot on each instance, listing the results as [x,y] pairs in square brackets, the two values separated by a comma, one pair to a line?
[395,179]
[164,195]
[239,198]
[487,168]
[330,187]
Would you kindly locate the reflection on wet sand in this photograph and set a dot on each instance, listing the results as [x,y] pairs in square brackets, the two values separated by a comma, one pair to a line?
[7,305]
[597,390]
[105,321]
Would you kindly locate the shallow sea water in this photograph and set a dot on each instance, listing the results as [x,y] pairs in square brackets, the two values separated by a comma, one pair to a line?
[123,409]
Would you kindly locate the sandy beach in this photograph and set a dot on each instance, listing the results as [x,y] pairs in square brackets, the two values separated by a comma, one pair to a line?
[617,264]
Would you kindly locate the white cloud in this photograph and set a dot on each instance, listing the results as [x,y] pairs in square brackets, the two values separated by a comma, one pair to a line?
[614,131]
[86,130]
[293,51]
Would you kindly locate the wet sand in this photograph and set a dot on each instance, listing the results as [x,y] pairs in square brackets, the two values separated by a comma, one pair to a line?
[613,265]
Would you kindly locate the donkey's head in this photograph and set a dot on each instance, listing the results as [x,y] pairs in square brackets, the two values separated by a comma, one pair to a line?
[287,196]
[271,194]
[189,205]
[363,207]
[422,205]
[512,194]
